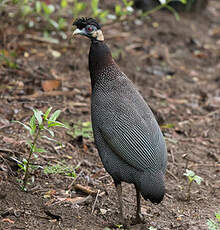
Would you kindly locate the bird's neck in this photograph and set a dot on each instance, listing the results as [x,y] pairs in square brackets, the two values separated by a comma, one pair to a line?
[99,58]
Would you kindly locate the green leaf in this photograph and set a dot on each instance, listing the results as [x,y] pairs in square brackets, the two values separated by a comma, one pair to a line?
[29,144]
[171,9]
[50,132]
[46,114]
[22,167]
[25,161]
[34,148]
[87,124]
[79,7]
[198,179]
[212,225]
[33,125]
[54,23]
[94,6]
[18,162]
[168,126]
[26,10]
[38,115]
[49,139]
[38,6]
[39,150]
[25,126]
[62,23]
[48,9]
[64,3]
[55,115]
[103,15]
[118,10]
[51,8]
[56,123]
[152,228]
[217,215]
[127,3]
[189,173]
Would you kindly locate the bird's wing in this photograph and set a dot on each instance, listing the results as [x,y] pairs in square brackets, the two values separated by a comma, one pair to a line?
[136,141]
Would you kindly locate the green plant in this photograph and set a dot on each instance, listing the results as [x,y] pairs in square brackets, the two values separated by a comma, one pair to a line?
[38,14]
[78,8]
[192,177]
[124,10]
[165,4]
[119,226]
[214,225]
[117,53]
[83,129]
[7,59]
[152,228]
[38,123]
[97,12]
[61,168]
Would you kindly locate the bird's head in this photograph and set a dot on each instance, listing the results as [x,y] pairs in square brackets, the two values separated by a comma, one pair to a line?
[88,27]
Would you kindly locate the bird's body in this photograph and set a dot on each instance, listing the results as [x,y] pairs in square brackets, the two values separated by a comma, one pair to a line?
[128,138]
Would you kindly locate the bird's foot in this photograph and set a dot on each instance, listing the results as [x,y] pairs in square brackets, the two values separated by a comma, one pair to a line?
[139,219]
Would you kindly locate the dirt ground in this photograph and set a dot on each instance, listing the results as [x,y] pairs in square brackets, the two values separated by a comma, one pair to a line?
[176,66]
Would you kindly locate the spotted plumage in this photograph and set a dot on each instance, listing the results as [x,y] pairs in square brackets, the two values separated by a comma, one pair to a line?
[127,136]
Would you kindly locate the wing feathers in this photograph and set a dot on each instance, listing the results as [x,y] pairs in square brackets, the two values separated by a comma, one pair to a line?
[135,142]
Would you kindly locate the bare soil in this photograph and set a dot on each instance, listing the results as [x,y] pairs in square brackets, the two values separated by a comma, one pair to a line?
[176,66]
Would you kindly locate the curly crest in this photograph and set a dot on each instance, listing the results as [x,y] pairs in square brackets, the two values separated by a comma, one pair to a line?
[81,23]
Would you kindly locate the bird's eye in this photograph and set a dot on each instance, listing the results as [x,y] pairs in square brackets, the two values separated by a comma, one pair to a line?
[90,28]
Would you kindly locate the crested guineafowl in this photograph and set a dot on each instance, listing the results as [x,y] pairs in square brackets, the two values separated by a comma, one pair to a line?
[127,136]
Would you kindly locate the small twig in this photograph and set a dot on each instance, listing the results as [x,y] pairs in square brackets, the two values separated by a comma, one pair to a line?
[29,157]
[96,198]
[169,196]
[42,39]
[104,177]
[6,126]
[84,189]
[71,184]
[172,175]
[188,190]
[10,151]
[53,216]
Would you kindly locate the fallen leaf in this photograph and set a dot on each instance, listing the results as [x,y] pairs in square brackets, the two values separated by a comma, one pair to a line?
[55,53]
[50,193]
[8,220]
[50,85]
[103,211]
[85,147]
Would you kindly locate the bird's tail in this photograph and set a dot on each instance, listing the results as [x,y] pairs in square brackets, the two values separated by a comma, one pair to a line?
[151,186]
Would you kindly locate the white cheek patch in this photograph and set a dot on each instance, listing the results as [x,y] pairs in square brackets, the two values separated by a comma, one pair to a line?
[98,35]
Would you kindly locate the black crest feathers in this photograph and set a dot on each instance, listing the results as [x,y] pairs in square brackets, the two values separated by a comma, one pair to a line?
[81,23]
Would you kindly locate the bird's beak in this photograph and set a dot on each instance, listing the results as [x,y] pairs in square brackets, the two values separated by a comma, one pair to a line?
[78,32]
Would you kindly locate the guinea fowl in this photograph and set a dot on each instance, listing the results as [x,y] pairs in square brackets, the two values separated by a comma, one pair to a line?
[127,136]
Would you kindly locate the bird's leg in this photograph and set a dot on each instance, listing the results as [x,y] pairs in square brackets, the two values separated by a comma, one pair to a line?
[138,196]
[119,192]
[139,217]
